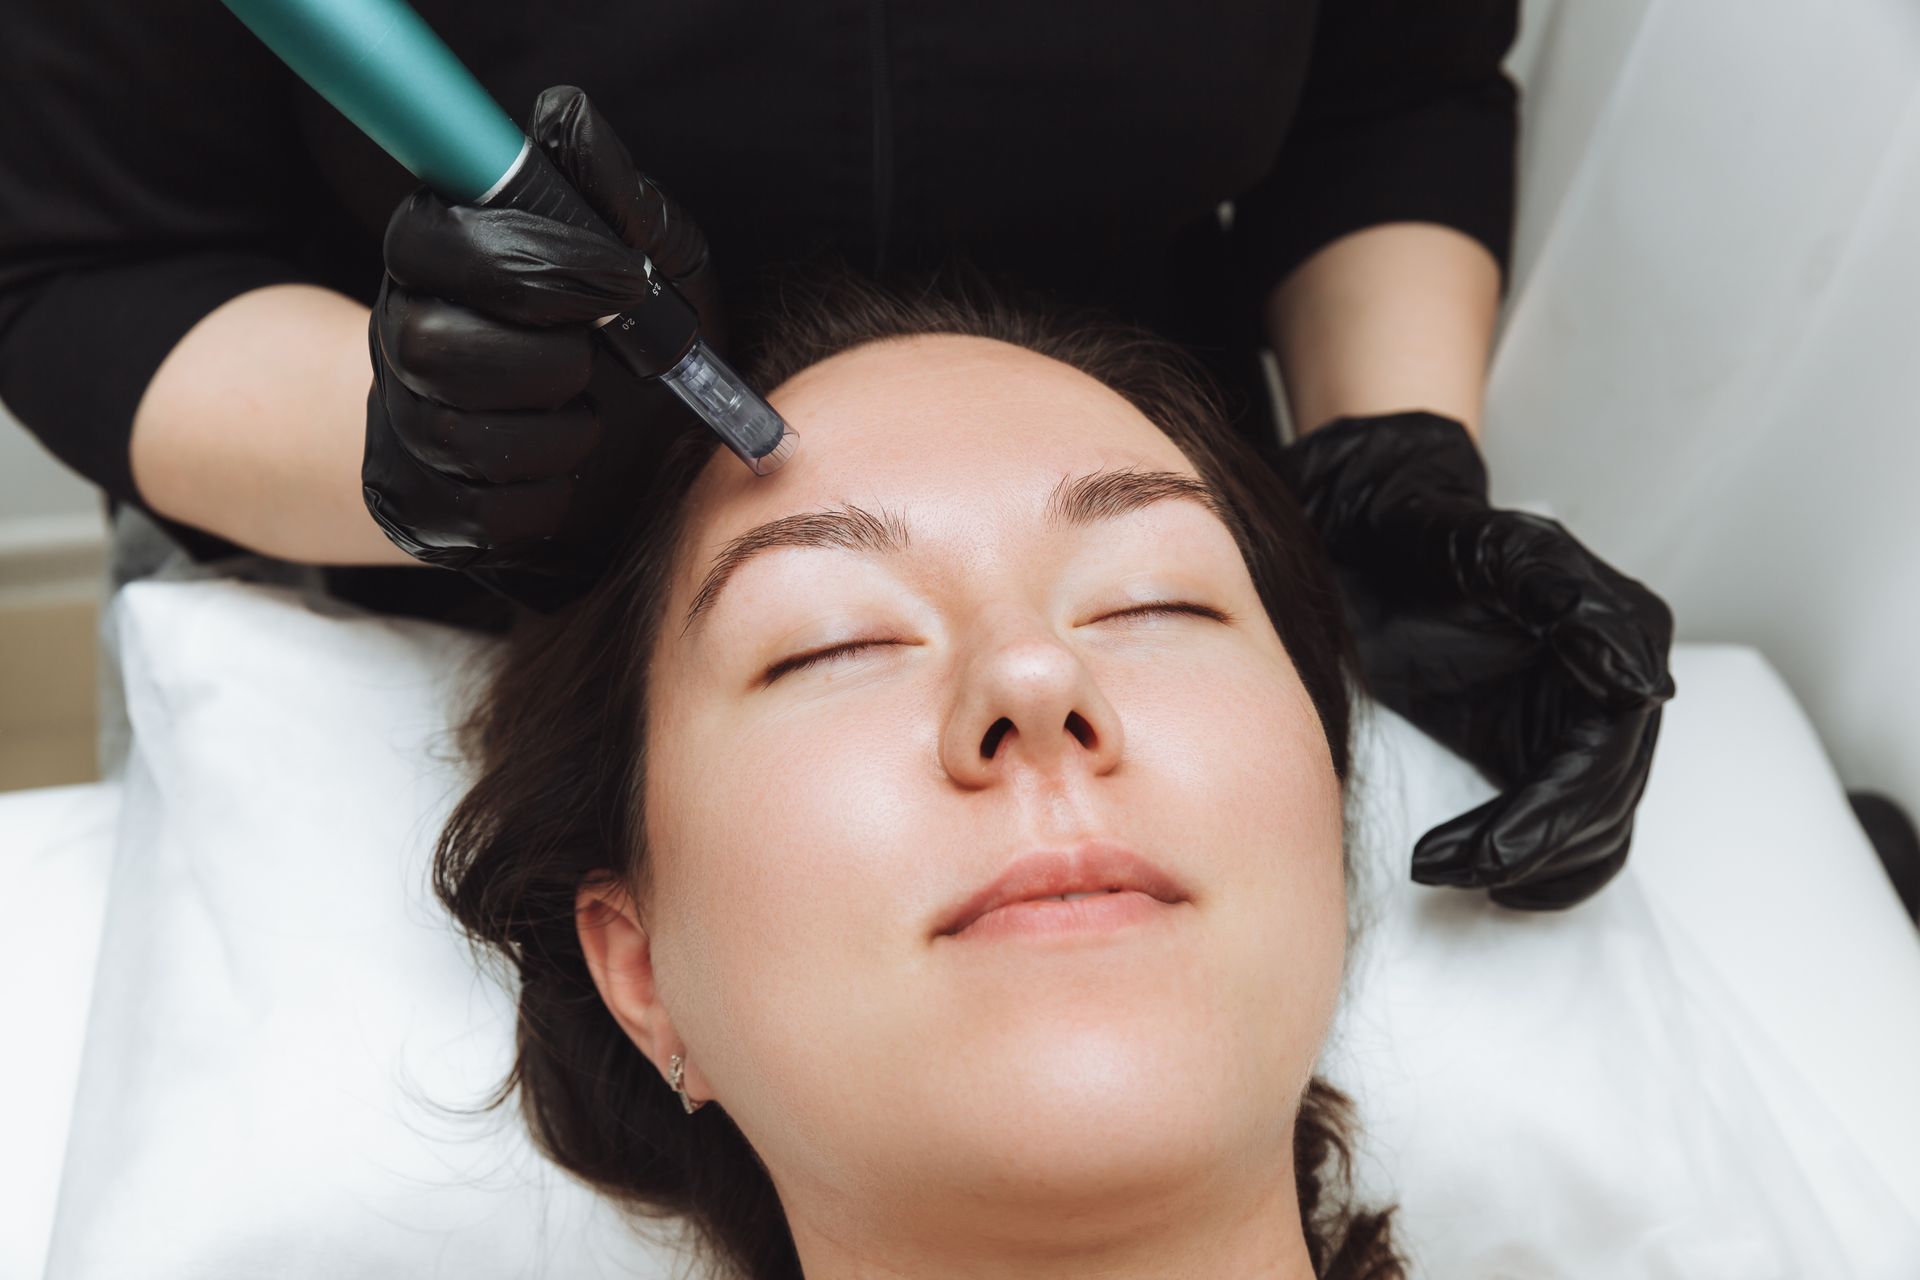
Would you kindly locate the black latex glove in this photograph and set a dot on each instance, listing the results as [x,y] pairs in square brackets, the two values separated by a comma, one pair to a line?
[501,439]
[1503,638]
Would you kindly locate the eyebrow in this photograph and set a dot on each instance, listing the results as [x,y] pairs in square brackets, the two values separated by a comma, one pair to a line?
[1076,501]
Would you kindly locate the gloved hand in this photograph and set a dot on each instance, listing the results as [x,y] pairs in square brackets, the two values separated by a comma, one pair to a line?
[501,439]
[1500,636]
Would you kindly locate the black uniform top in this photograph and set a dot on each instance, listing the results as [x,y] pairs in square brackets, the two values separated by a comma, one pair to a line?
[156,160]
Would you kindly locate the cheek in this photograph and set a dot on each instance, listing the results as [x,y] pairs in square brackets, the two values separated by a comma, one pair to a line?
[1245,791]
[783,838]
[1240,736]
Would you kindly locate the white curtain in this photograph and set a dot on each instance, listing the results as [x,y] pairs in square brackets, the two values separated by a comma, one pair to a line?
[1709,364]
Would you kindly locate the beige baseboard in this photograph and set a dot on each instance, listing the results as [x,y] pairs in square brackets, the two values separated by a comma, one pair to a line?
[52,579]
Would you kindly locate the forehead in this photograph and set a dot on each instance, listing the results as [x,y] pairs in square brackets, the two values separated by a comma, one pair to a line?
[954,429]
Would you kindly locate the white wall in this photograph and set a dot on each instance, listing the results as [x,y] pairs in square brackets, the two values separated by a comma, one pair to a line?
[33,483]
[1709,365]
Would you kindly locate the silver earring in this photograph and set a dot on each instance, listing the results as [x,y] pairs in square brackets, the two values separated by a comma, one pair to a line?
[676,1069]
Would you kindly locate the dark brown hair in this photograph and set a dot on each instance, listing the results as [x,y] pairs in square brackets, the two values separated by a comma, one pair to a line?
[559,739]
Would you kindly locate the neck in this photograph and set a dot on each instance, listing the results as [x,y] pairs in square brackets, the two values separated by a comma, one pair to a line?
[1239,1233]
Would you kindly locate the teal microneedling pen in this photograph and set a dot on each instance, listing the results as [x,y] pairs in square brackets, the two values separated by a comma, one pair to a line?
[383,68]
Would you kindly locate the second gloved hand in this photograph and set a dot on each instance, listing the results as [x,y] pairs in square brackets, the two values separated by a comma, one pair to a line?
[501,441]
[1501,636]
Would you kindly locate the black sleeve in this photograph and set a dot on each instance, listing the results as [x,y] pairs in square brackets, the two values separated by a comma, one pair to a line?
[147,175]
[1406,116]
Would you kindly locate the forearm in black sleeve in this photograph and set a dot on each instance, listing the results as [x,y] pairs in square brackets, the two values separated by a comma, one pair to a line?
[147,176]
[1406,116]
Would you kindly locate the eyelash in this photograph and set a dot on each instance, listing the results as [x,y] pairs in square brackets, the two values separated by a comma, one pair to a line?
[802,661]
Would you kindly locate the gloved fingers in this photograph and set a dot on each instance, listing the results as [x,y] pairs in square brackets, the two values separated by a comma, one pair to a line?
[1610,632]
[439,517]
[1563,891]
[511,264]
[458,356]
[1617,644]
[495,448]
[590,155]
[1354,469]
[1556,837]
[584,147]
[451,523]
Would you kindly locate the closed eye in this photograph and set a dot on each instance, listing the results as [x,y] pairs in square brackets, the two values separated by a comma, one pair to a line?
[1169,606]
[801,661]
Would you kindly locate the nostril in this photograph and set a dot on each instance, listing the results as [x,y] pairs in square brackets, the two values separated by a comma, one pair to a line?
[995,732]
[1080,729]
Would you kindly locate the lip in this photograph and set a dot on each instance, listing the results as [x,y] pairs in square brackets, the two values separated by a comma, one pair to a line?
[1087,867]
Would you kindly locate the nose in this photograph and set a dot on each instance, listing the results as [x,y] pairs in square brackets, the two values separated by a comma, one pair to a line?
[1029,703]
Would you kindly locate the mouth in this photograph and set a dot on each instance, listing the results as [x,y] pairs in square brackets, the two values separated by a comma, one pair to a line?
[1094,883]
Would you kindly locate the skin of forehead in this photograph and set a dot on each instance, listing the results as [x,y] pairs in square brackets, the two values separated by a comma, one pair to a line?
[909,424]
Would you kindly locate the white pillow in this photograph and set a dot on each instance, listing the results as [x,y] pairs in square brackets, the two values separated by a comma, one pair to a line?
[1572,1094]
[280,999]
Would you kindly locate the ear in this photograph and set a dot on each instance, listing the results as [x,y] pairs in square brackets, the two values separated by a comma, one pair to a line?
[620,957]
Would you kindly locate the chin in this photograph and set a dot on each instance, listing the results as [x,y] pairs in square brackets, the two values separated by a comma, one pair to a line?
[1091,1095]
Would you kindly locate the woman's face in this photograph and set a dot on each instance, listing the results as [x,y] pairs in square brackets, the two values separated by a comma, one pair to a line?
[810,829]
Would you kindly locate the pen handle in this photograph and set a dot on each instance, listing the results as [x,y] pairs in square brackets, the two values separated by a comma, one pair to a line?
[382,66]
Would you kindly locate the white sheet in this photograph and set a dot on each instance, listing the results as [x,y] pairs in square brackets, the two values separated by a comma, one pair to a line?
[56,848]
[1719,1045]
